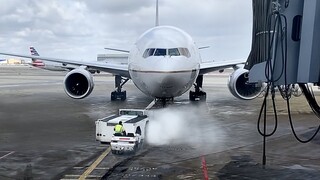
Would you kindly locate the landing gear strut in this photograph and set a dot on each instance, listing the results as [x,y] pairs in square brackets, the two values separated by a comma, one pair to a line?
[118,94]
[198,95]
[165,100]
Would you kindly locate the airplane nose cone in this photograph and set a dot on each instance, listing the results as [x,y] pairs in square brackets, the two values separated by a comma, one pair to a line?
[164,84]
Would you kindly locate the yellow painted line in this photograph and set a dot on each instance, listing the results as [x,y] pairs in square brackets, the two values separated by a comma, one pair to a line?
[95,164]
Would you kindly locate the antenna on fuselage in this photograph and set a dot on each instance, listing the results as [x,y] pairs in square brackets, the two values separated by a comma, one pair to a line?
[157,13]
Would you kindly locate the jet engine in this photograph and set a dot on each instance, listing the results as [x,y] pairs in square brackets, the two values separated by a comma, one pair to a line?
[239,86]
[78,83]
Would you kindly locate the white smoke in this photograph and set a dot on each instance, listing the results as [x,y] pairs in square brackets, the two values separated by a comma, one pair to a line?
[185,125]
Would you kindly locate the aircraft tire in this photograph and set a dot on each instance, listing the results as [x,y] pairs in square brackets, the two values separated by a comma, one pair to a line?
[192,96]
[113,96]
[203,96]
[123,95]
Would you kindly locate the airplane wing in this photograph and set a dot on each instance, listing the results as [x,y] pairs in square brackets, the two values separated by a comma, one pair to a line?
[118,69]
[219,65]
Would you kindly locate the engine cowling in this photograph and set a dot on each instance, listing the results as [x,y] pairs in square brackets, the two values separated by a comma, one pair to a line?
[239,86]
[78,83]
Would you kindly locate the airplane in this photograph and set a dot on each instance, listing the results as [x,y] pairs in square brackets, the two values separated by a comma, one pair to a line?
[164,63]
[52,66]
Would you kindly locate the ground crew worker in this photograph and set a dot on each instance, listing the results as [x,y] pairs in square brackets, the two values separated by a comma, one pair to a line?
[119,129]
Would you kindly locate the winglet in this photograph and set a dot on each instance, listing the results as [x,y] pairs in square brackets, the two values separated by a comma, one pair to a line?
[157,13]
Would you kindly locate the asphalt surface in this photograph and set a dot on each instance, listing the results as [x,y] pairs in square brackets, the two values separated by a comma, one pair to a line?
[44,134]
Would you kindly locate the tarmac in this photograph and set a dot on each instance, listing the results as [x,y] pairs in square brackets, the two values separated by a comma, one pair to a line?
[44,134]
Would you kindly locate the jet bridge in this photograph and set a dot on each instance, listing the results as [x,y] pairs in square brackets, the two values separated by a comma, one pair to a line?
[285,42]
[285,52]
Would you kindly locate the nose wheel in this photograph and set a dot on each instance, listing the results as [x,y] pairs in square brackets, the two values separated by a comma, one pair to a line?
[118,94]
[198,94]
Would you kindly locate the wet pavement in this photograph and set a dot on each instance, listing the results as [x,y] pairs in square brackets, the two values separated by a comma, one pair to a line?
[44,134]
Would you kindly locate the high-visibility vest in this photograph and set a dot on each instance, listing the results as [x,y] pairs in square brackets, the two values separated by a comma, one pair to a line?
[118,128]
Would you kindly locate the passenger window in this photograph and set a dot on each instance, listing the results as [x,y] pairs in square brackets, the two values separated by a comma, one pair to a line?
[160,52]
[173,52]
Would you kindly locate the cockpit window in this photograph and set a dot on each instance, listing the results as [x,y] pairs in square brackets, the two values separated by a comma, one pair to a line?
[173,52]
[160,52]
[184,52]
[148,52]
[164,52]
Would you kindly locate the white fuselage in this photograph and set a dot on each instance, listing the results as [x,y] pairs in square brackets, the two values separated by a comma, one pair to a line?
[164,62]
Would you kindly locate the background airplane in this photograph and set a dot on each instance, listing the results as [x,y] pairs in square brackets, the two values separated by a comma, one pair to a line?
[48,65]
[164,63]
[52,66]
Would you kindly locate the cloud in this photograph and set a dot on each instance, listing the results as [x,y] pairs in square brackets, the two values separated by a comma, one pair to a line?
[80,29]
[118,6]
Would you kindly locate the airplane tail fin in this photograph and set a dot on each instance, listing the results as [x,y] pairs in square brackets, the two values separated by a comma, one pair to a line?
[33,51]
[36,62]
[157,13]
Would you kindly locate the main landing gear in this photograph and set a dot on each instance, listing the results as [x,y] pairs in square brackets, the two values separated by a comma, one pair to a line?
[118,94]
[198,95]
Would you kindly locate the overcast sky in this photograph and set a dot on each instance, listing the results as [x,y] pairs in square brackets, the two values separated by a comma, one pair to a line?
[80,29]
